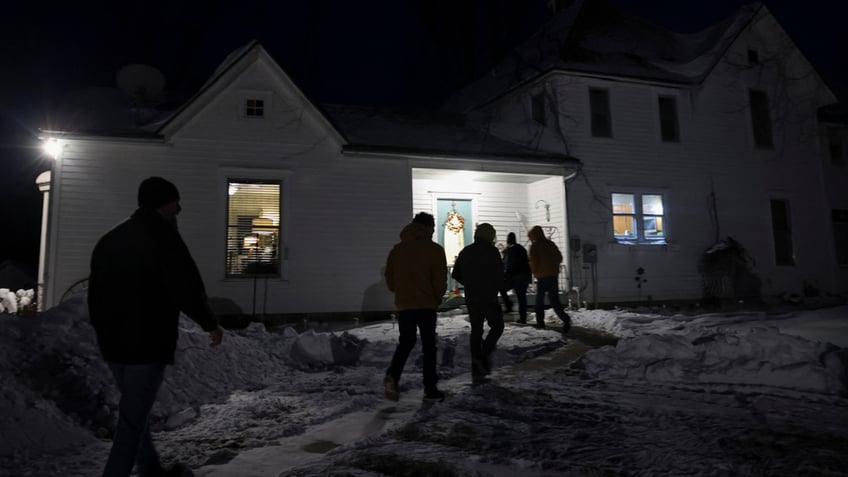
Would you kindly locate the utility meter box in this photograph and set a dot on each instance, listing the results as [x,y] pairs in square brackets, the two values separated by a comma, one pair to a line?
[590,253]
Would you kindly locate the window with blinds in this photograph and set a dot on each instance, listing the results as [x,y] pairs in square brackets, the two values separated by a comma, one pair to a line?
[253,228]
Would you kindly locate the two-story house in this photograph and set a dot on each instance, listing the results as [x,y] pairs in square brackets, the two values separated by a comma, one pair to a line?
[685,140]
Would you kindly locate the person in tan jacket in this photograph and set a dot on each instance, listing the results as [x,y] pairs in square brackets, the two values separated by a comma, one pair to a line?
[416,272]
[545,259]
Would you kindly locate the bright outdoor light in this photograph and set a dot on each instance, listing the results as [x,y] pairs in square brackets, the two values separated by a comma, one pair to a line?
[52,147]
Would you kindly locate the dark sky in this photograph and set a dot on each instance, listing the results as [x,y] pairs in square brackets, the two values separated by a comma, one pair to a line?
[409,53]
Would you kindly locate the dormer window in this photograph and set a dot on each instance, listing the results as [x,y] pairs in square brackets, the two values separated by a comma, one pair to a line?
[753,57]
[254,108]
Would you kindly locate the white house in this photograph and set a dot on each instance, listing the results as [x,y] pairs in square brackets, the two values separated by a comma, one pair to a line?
[684,141]
[290,208]
[285,212]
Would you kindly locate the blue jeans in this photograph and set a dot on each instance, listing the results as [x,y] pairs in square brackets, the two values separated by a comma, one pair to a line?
[549,286]
[132,443]
[410,322]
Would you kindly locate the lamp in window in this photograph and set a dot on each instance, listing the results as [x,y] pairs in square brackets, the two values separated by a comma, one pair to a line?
[250,242]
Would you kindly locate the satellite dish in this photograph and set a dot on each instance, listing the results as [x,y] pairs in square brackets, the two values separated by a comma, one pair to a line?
[142,82]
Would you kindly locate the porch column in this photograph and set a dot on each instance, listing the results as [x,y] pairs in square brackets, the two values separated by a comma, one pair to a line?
[43,182]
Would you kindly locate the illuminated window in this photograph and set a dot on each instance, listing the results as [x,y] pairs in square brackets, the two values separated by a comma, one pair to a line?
[254,108]
[253,228]
[638,218]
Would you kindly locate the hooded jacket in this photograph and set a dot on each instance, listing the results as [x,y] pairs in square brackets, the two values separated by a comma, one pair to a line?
[480,270]
[417,270]
[545,257]
[142,276]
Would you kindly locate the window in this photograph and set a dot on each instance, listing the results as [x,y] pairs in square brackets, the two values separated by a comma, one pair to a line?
[753,57]
[782,230]
[638,218]
[837,151]
[840,235]
[761,120]
[600,108]
[254,108]
[253,228]
[669,128]
[537,108]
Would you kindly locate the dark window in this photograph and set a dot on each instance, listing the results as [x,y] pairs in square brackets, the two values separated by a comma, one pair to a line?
[837,157]
[537,108]
[753,57]
[668,119]
[601,118]
[840,235]
[254,108]
[782,230]
[761,120]
[253,228]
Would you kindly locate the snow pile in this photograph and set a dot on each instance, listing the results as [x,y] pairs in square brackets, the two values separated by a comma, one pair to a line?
[15,302]
[761,357]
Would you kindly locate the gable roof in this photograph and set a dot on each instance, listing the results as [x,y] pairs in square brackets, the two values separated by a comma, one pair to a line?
[227,72]
[596,38]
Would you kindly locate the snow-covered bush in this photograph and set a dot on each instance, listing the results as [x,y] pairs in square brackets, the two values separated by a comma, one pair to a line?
[17,302]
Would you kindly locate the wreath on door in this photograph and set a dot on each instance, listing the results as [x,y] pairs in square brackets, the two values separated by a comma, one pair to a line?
[455,223]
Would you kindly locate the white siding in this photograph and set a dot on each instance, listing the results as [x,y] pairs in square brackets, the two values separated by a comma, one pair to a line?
[715,154]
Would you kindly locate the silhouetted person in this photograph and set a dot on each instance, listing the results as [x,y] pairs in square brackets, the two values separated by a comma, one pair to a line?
[516,276]
[545,259]
[416,271]
[142,277]
[480,270]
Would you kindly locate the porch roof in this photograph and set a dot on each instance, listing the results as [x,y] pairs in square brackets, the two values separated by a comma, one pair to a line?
[429,134]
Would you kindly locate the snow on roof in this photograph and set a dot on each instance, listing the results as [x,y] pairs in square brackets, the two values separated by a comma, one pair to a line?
[597,38]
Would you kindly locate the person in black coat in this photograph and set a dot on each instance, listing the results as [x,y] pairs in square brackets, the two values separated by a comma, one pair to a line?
[517,276]
[142,277]
[480,270]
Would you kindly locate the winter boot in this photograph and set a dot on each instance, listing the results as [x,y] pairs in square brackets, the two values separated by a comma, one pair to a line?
[433,395]
[391,388]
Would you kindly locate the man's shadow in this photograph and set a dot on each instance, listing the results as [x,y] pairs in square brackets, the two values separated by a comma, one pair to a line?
[378,302]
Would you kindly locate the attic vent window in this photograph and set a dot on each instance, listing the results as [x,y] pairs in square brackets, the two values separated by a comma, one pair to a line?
[254,108]
[753,57]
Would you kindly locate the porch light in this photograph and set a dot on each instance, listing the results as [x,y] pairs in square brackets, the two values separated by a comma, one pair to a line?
[52,147]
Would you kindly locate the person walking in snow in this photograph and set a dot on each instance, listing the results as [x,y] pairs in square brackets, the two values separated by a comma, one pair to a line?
[480,269]
[545,259]
[142,277]
[516,276]
[416,272]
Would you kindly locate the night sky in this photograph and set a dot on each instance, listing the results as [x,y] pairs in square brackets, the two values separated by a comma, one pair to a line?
[381,52]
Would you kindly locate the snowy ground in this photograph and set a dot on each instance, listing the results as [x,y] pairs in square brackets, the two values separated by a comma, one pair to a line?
[707,394]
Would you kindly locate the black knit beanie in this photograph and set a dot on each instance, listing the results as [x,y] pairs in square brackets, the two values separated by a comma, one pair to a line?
[154,192]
